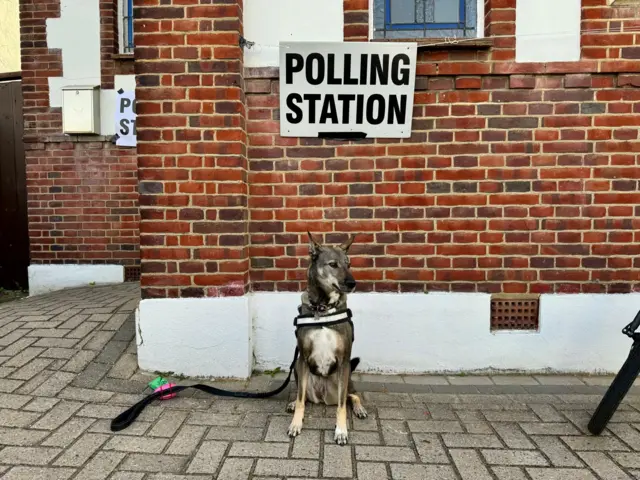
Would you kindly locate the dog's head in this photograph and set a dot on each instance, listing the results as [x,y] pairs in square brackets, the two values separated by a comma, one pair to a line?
[331,268]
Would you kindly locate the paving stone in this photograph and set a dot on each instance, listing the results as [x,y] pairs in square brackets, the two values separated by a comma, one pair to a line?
[23,357]
[468,440]
[232,433]
[52,386]
[308,445]
[168,424]
[186,441]
[142,462]
[126,476]
[104,426]
[286,467]
[406,413]
[470,465]
[100,466]
[124,367]
[509,473]
[38,473]
[603,466]
[81,451]
[512,435]
[58,415]
[235,469]
[79,361]
[31,369]
[384,454]
[68,432]
[98,340]
[371,471]
[395,432]
[434,426]
[12,401]
[15,418]
[430,448]
[28,455]
[627,434]
[59,353]
[337,462]
[41,404]
[277,429]
[470,380]
[402,471]
[206,418]
[136,444]
[510,416]
[208,457]
[258,449]
[547,413]
[356,437]
[20,436]
[556,451]
[549,428]
[594,443]
[627,460]
[560,474]
[513,457]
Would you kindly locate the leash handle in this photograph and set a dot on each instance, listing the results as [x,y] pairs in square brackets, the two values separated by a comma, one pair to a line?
[127,417]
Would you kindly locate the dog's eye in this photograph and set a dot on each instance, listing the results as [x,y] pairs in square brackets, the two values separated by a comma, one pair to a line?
[333,264]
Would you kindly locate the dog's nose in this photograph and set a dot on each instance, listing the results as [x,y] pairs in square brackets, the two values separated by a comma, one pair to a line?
[350,283]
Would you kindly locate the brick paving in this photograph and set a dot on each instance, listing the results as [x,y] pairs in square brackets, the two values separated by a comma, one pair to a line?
[68,366]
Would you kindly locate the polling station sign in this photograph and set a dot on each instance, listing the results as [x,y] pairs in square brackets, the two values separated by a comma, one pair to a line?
[350,89]
[126,118]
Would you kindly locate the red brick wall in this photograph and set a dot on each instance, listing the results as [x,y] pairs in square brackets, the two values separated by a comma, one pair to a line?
[517,178]
[191,148]
[82,192]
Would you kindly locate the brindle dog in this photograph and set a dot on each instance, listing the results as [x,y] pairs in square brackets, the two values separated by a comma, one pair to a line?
[323,369]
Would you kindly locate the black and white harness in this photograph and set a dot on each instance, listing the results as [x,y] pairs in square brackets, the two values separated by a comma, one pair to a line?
[321,316]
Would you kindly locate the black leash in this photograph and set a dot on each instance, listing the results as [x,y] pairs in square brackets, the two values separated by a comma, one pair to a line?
[127,417]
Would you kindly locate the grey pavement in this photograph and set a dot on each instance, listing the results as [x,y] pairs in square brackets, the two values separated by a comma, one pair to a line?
[68,366]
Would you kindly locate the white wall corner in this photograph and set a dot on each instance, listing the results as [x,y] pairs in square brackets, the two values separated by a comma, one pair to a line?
[49,278]
[548,30]
[77,33]
[197,337]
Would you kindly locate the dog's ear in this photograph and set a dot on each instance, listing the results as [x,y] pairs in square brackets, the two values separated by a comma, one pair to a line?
[314,247]
[347,243]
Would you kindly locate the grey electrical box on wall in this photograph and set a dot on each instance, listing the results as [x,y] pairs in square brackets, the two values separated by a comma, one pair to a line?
[81,109]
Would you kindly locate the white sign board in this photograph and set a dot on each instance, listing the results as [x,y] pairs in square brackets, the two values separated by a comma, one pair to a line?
[126,118]
[328,89]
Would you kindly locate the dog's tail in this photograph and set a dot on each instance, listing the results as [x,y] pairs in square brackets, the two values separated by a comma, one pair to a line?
[354,363]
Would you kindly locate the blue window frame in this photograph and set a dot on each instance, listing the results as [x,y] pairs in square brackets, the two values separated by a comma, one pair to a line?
[127,25]
[425,18]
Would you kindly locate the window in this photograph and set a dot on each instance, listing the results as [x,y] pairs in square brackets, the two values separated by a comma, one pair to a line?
[125,26]
[426,18]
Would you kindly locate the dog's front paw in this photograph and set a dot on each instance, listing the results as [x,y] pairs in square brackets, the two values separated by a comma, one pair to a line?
[295,428]
[291,407]
[359,411]
[341,436]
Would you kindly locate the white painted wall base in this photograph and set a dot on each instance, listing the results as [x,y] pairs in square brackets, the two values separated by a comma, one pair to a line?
[49,278]
[394,333]
[200,337]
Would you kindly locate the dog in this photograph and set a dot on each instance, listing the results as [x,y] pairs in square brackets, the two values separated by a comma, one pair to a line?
[323,368]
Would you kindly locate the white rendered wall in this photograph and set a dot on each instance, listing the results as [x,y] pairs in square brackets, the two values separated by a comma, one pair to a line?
[77,33]
[204,337]
[267,22]
[394,333]
[548,30]
[49,278]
